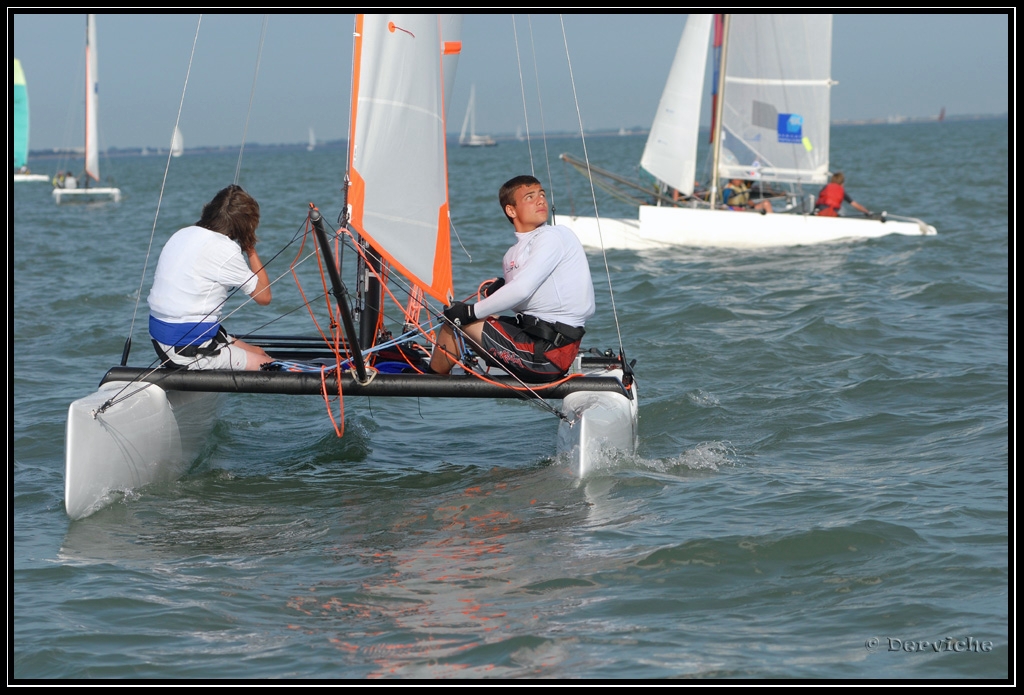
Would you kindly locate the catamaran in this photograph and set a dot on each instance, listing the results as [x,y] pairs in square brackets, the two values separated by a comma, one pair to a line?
[87,191]
[468,136]
[147,423]
[770,127]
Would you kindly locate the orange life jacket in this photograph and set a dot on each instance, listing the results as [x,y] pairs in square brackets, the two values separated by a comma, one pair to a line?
[831,196]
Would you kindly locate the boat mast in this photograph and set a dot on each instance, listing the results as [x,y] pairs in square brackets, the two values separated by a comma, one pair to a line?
[717,135]
[340,293]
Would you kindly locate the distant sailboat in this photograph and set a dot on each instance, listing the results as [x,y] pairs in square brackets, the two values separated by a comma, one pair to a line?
[21,172]
[312,140]
[769,126]
[177,143]
[92,155]
[473,140]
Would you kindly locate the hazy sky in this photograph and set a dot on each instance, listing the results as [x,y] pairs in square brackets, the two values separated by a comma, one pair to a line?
[885,65]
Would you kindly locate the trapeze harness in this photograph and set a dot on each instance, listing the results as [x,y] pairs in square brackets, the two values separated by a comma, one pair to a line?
[556,334]
[187,339]
[830,199]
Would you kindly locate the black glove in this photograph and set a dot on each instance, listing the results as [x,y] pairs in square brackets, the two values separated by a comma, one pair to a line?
[492,286]
[460,313]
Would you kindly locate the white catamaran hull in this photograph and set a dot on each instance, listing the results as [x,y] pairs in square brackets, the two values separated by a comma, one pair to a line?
[598,425]
[85,195]
[30,177]
[151,436]
[661,227]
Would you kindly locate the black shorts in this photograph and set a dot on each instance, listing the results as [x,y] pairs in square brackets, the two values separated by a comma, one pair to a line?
[507,346]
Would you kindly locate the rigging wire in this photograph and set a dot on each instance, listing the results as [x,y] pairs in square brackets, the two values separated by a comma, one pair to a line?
[540,103]
[252,93]
[586,157]
[593,192]
[167,166]
[163,185]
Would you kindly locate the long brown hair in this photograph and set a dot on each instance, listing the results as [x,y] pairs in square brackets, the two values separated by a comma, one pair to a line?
[233,213]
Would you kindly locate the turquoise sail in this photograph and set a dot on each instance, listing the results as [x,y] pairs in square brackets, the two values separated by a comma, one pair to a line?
[20,117]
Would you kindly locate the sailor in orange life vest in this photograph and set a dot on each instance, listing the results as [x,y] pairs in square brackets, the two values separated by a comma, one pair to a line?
[546,283]
[832,196]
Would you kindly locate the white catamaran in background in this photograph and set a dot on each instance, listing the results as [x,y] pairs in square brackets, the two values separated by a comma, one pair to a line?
[469,123]
[770,128]
[85,191]
[147,424]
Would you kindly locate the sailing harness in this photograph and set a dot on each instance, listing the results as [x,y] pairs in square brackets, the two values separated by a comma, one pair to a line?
[558,334]
[206,349]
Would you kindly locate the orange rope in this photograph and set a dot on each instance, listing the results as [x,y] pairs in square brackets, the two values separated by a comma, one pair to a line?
[411,312]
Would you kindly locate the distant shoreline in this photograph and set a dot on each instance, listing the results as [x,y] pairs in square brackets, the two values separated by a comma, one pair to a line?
[453,138]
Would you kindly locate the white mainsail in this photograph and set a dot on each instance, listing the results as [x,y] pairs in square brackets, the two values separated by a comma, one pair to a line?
[92,88]
[777,98]
[398,174]
[671,150]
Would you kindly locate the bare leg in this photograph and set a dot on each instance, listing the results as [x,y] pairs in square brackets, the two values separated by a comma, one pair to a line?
[255,356]
[446,352]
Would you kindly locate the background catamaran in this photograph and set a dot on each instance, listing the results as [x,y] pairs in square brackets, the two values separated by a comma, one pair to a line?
[770,126]
[468,136]
[85,191]
[146,424]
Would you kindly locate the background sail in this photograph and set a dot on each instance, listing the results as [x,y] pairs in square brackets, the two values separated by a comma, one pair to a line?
[177,143]
[20,97]
[777,96]
[92,88]
[399,188]
[671,150]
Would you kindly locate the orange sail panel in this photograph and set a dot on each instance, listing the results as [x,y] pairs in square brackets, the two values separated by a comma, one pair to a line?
[398,168]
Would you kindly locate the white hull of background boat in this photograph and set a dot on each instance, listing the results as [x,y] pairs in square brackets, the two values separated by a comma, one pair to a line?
[30,177]
[151,436]
[663,227]
[85,195]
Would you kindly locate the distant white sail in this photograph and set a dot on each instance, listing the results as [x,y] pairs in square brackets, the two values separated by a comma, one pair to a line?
[177,143]
[92,92]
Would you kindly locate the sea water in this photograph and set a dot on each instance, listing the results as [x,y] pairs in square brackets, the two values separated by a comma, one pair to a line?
[820,490]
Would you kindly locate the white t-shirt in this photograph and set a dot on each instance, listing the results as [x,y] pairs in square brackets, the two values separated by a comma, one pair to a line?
[196,270]
[546,275]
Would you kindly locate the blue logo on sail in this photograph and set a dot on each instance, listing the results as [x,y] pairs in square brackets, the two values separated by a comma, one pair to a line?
[790,127]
